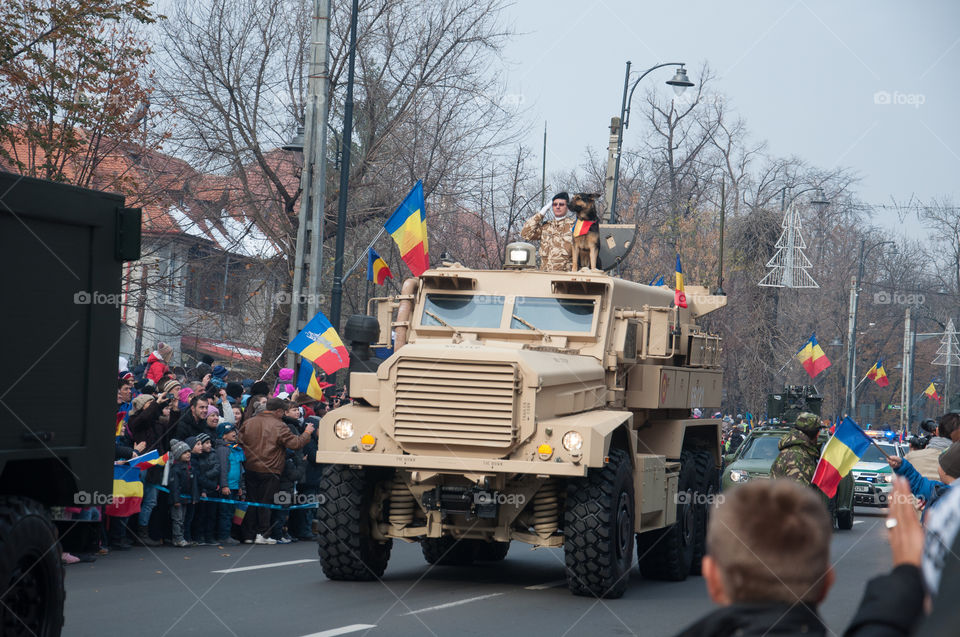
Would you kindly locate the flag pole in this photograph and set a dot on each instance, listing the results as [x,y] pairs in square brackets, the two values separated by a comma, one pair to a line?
[282,352]
[879,448]
[363,255]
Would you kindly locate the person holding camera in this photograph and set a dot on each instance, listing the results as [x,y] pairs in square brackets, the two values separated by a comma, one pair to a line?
[265,439]
[943,433]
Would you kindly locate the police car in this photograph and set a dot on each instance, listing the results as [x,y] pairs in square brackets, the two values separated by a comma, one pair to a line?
[873,478]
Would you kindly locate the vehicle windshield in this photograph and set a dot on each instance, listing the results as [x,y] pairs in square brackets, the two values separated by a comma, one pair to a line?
[463,310]
[761,448]
[553,315]
[872,454]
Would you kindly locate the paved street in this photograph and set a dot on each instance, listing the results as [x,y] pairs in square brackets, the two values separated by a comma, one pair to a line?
[187,591]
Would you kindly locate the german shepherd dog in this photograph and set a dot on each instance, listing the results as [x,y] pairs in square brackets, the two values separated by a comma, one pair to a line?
[586,242]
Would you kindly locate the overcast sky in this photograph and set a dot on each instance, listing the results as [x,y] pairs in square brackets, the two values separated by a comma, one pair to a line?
[868,85]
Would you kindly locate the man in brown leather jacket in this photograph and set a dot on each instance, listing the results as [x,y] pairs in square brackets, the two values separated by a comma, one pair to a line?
[265,439]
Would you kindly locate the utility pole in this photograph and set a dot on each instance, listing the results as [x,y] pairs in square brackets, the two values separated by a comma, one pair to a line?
[543,169]
[611,163]
[313,179]
[906,383]
[850,402]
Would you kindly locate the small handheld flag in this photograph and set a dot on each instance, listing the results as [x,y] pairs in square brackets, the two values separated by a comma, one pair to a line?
[679,298]
[812,357]
[239,513]
[377,269]
[320,343]
[127,491]
[307,382]
[931,392]
[408,227]
[582,227]
[840,454]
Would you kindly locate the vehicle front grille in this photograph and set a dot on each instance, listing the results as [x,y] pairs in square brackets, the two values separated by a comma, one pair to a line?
[455,403]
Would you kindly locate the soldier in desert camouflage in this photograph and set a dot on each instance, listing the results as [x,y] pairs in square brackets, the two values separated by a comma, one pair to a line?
[799,451]
[554,230]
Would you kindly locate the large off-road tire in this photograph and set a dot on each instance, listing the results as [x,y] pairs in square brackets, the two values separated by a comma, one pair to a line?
[346,548]
[491,551]
[708,486]
[448,551]
[598,529]
[31,571]
[845,519]
[667,554]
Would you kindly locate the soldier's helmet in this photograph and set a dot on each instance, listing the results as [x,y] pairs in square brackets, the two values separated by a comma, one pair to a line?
[808,423]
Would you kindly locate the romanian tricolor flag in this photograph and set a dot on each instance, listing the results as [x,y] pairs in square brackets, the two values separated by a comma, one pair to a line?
[377,269]
[121,423]
[931,392]
[307,382]
[679,298]
[812,357]
[408,227]
[319,342]
[582,227]
[127,491]
[150,459]
[239,512]
[878,374]
[840,454]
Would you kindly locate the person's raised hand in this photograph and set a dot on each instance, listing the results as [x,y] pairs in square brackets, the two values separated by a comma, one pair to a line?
[309,429]
[206,379]
[140,446]
[906,533]
[894,461]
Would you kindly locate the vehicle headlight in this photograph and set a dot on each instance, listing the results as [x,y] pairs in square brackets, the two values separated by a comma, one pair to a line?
[888,477]
[519,256]
[572,441]
[343,428]
[739,476]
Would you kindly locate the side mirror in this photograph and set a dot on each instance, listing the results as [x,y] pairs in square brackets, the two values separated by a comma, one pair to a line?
[728,458]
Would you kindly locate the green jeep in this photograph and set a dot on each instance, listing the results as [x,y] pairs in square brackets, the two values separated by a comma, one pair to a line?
[755,456]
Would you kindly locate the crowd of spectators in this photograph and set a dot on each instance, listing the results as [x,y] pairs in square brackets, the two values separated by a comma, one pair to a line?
[231,443]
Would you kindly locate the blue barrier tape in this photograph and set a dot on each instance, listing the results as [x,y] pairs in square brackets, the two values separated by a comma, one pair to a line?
[279,507]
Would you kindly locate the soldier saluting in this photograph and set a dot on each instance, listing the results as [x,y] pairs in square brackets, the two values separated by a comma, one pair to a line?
[799,451]
[555,233]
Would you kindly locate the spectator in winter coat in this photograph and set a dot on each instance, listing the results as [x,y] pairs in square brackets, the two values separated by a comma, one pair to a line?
[124,394]
[192,422]
[294,472]
[284,380]
[768,561]
[924,488]
[157,362]
[265,439]
[926,461]
[230,460]
[207,468]
[183,491]
[301,520]
[151,426]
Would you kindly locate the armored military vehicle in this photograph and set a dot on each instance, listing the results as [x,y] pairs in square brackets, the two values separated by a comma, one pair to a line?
[551,408]
[784,407]
[62,250]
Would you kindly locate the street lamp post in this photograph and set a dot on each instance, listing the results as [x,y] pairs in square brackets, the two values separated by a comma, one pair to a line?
[680,82]
[850,402]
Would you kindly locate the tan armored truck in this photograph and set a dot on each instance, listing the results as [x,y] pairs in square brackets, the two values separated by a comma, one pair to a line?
[550,408]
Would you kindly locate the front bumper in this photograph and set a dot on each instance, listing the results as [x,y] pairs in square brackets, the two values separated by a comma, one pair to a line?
[452,464]
[866,494]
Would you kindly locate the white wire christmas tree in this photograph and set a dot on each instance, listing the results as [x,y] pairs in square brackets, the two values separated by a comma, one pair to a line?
[949,352]
[789,265]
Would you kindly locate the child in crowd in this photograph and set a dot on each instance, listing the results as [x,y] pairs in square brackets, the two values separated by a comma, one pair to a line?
[183,491]
[207,468]
[230,460]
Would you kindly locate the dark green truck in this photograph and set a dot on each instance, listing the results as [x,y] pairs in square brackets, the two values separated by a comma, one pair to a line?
[62,250]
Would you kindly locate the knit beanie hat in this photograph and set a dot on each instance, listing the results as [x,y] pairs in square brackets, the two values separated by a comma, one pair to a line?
[191,442]
[225,428]
[234,389]
[178,448]
[219,371]
[212,410]
[950,461]
[140,402]
[202,437]
[260,388]
[184,394]
[169,386]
